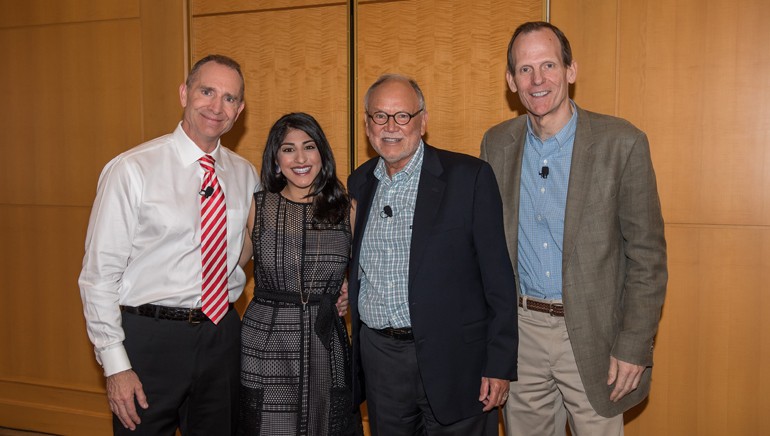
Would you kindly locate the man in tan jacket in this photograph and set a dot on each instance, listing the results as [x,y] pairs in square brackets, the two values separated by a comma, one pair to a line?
[586,239]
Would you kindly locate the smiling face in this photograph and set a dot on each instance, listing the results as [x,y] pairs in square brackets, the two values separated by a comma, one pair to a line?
[396,144]
[299,161]
[542,80]
[211,104]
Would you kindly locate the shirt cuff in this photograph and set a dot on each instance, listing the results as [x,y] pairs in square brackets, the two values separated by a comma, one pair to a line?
[114,360]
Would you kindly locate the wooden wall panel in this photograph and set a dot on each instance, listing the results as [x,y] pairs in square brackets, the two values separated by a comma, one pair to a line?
[683,72]
[164,55]
[83,83]
[43,12]
[219,7]
[712,349]
[457,53]
[685,77]
[54,347]
[593,36]
[52,409]
[293,60]
[70,86]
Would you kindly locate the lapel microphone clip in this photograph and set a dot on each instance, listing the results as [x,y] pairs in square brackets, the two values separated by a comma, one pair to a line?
[543,172]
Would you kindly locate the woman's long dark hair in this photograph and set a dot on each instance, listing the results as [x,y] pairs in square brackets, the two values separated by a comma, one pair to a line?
[330,200]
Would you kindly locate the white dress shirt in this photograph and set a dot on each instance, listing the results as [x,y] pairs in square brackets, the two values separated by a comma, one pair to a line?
[144,238]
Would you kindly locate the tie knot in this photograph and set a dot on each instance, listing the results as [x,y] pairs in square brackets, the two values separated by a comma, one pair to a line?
[207,162]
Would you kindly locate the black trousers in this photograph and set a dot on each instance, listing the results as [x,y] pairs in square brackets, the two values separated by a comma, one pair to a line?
[395,396]
[189,372]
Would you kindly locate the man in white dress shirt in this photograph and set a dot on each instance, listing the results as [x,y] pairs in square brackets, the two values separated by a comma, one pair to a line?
[167,365]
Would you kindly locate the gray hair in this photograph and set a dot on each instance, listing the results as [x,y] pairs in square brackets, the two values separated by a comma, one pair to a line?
[398,78]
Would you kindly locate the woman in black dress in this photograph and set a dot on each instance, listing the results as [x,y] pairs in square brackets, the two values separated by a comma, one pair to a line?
[295,352]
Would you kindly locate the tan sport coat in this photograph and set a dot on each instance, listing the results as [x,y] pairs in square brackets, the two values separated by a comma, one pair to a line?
[614,259]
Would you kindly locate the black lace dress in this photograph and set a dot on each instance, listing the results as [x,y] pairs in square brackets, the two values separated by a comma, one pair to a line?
[295,352]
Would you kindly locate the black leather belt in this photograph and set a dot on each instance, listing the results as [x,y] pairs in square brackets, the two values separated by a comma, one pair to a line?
[193,316]
[401,334]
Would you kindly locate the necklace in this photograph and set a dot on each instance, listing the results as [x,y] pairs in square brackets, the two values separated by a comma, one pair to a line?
[304,298]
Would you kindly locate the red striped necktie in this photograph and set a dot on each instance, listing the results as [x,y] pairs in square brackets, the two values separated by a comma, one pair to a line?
[213,243]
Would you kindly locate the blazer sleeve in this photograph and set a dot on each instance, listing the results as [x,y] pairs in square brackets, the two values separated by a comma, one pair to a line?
[642,229]
[497,277]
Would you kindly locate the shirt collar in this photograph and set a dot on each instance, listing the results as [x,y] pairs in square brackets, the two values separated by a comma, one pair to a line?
[414,164]
[562,136]
[189,152]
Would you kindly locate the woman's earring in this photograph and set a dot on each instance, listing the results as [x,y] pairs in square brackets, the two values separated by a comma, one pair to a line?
[277,169]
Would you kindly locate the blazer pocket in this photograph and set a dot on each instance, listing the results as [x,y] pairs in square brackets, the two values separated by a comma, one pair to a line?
[475,331]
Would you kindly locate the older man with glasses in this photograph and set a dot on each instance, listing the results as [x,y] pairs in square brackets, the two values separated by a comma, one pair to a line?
[431,285]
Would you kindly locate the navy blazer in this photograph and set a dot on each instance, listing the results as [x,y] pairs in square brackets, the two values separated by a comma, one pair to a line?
[462,297]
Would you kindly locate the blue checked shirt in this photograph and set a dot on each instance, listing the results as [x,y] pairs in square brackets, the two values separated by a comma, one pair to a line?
[384,295]
[541,210]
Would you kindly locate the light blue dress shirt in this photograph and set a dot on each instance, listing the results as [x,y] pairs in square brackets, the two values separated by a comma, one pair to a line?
[541,210]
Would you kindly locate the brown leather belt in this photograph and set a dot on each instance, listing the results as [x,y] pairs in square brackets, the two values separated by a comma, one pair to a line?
[193,316]
[554,309]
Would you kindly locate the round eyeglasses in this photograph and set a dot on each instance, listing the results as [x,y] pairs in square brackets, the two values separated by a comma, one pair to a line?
[401,118]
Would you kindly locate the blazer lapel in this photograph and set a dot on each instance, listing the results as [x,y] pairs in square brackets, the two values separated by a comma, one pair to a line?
[511,183]
[579,184]
[430,191]
[366,196]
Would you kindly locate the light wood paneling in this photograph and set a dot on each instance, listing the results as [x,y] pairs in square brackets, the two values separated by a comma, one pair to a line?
[54,409]
[54,348]
[77,104]
[84,83]
[293,60]
[593,37]
[691,77]
[164,53]
[713,347]
[42,12]
[456,51]
[219,7]
[689,73]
